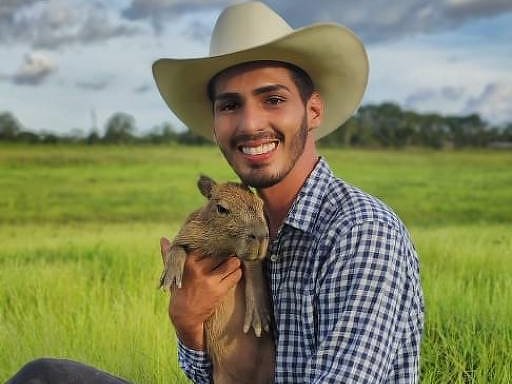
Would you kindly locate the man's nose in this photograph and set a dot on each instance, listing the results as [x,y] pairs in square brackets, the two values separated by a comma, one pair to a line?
[252,119]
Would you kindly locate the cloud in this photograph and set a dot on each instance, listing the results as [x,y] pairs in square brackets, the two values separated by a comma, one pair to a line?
[36,68]
[441,95]
[158,12]
[143,88]
[10,26]
[51,24]
[493,103]
[199,31]
[9,8]
[375,21]
[55,23]
[95,85]
[453,93]
[420,96]
[464,9]
[382,20]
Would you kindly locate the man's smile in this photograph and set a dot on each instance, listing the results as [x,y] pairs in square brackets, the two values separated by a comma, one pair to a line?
[259,149]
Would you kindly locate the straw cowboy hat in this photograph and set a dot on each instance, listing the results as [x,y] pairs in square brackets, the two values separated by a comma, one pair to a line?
[331,54]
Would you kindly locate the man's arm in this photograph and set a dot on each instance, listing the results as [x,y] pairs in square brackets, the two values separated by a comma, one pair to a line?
[367,289]
[205,283]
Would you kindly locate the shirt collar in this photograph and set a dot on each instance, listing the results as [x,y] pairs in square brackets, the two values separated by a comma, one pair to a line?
[306,207]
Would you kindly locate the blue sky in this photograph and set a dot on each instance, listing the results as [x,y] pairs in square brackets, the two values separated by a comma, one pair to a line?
[70,64]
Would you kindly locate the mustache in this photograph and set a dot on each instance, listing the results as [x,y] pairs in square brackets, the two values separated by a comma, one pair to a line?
[237,139]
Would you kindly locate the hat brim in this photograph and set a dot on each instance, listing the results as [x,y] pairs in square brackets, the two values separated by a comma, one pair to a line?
[331,54]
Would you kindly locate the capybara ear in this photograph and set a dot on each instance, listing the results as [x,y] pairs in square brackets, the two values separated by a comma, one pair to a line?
[165,250]
[206,185]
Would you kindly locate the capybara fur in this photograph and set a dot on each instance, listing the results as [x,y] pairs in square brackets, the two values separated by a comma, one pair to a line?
[231,223]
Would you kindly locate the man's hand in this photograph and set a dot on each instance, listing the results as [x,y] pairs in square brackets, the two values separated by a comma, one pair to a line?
[206,280]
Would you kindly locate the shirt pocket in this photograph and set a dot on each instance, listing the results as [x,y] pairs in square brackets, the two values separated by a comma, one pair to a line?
[297,317]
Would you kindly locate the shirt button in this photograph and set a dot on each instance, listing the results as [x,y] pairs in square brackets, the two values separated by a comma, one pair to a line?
[273,257]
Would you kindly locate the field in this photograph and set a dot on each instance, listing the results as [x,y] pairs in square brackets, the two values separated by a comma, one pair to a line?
[79,257]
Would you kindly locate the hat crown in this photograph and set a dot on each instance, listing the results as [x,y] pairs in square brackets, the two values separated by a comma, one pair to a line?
[245,26]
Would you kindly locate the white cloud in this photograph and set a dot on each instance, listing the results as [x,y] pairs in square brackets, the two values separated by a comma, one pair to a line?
[494,103]
[439,74]
[382,20]
[442,95]
[375,21]
[160,12]
[55,23]
[35,69]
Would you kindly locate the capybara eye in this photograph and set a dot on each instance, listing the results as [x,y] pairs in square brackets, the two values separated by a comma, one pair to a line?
[222,210]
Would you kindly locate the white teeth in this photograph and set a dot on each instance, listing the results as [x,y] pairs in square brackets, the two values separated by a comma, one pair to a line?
[260,149]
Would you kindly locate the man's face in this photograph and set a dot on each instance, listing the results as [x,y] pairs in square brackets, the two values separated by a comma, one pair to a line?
[260,122]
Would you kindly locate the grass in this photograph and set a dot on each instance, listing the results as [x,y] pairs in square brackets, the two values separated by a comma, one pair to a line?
[86,292]
[79,262]
[468,290]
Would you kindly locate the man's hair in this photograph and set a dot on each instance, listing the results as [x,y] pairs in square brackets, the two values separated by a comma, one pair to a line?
[299,77]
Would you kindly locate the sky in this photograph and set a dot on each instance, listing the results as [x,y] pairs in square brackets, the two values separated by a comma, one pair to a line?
[67,65]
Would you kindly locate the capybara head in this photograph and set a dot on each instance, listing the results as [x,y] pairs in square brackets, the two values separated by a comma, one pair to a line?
[234,219]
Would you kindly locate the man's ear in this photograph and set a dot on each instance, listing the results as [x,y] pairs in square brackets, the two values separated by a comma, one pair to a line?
[315,110]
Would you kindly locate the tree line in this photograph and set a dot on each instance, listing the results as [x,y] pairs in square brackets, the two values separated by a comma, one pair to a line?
[383,125]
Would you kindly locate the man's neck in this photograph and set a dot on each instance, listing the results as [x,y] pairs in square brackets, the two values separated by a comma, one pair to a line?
[280,197]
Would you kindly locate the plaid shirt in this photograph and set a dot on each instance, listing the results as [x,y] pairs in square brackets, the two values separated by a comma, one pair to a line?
[346,291]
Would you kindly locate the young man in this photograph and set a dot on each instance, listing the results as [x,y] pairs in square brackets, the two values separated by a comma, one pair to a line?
[342,270]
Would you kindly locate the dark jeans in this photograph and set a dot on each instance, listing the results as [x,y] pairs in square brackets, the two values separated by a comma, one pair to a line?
[61,371]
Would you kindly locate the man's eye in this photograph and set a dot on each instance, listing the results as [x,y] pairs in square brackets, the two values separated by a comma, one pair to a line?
[227,106]
[274,100]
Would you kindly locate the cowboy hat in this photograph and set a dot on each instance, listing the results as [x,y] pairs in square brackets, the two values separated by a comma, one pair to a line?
[330,54]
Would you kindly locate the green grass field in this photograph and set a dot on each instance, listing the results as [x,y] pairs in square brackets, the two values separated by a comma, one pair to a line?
[79,256]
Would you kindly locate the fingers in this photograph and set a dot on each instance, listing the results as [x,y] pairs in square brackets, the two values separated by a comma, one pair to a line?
[219,274]
[204,265]
[232,278]
[229,271]
[206,281]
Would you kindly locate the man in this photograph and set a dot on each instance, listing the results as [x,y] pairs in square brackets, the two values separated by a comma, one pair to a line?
[342,271]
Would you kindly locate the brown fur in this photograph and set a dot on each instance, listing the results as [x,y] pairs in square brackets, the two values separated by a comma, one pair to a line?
[231,223]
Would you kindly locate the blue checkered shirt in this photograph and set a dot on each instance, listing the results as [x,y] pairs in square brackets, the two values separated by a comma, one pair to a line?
[346,291]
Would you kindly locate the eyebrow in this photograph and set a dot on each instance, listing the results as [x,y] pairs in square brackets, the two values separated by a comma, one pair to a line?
[257,91]
[270,88]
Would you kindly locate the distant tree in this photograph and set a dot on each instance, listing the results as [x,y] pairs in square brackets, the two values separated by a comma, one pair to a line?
[93,137]
[382,125]
[50,138]
[468,130]
[169,133]
[76,135]
[506,134]
[10,127]
[432,131]
[120,128]
[390,126]
[28,137]
[163,133]
[189,138]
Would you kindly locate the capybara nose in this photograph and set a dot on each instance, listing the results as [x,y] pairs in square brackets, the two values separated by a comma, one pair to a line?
[259,233]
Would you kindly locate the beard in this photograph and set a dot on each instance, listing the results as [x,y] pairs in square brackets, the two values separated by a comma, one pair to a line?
[261,177]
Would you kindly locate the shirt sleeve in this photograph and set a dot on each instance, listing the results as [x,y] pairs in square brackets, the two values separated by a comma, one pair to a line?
[196,364]
[364,298]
